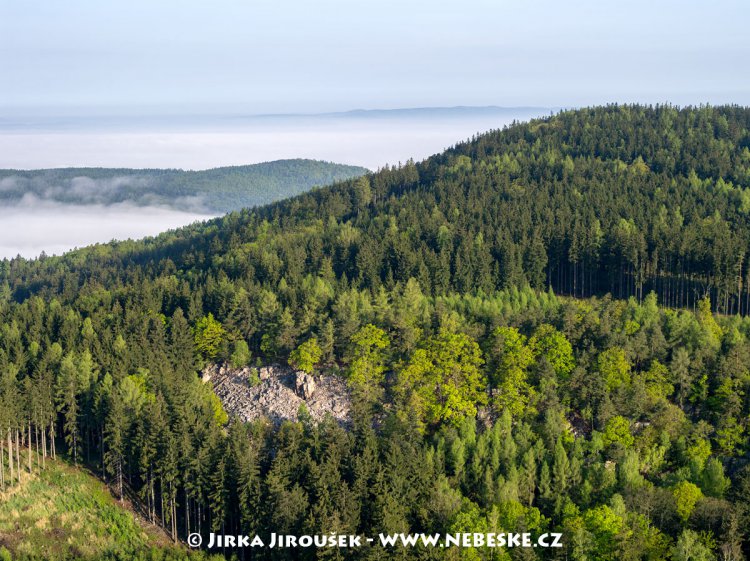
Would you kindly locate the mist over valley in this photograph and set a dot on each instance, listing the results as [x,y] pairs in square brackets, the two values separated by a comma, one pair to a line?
[55,196]
[54,228]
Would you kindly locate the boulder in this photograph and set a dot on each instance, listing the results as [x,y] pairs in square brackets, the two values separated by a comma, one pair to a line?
[304,385]
[279,394]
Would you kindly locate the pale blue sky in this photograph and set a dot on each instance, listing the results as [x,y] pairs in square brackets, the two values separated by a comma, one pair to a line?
[329,55]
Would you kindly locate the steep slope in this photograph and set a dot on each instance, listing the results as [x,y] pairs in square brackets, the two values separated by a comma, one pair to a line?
[614,199]
[481,398]
[64,513]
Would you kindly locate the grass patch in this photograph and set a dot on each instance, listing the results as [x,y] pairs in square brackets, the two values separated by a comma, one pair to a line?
[64,513]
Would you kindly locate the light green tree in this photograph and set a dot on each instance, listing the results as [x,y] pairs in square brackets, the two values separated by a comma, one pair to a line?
[606,526]
[713,481]
[442,380]
[711,332]
[366,358]
[686,495]
[657,381]
[306,356]
[617,430]
[209,335]
[513,391]
[67,390]
[553,345]
[240,354]
[690,547]
[614,368]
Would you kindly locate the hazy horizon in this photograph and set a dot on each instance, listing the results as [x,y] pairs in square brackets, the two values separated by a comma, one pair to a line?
[195,85]
[367,138]
[371,139]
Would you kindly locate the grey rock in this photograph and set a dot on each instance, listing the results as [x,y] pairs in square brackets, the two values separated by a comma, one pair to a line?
[304,385]
[279,394]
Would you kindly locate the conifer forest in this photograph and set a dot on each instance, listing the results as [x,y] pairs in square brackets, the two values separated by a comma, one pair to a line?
[545,328]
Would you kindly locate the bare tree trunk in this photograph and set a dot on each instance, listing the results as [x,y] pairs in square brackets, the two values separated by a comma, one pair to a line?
[187,513]
[119,478]
[152,499]
[174,516]
[161,499]
[31,451]
[36,434]
[101,447]
[18,453]
[10,454]
[739,291]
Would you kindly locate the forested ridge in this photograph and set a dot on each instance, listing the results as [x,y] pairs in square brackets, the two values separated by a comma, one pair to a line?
[213,190]
[622,200]
[526,323]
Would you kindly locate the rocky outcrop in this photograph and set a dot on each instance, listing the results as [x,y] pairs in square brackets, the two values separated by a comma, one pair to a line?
[304,385]
[277,392]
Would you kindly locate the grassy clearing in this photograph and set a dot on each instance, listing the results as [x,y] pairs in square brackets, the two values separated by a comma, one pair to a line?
[64,513]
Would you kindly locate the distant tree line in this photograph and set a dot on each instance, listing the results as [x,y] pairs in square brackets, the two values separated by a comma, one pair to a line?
[212,190]
[618,199]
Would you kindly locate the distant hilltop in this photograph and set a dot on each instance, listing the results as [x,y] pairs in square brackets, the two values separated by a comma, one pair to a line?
[457,111]
[68,120]
[215,190]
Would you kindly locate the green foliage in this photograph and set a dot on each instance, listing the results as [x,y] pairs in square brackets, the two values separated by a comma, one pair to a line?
[711,332]
[209,336]
[442,381]
[306,356]
[617,430]
[686,495]
[241,354]
[606,527]
[220,416]
[690,547]
[697,453]
[513,357]
[657,381]
[555,348]
[366,358]
[614,368]
[714,482]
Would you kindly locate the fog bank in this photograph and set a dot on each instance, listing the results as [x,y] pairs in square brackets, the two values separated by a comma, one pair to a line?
[370,139]
[55,228]
[41,221]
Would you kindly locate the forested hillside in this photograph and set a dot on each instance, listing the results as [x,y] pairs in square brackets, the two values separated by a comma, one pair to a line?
[62,512]
[214,190]
[526,324]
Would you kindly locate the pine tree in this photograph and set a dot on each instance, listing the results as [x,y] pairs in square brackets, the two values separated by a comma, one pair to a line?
[67,402]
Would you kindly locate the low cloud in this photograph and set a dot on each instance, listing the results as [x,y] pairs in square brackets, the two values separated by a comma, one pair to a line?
[90,190]
[38,213]
[141,191]
[35,225]
[369,139]
[8,184]
[56,215]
